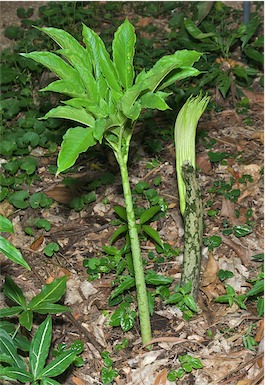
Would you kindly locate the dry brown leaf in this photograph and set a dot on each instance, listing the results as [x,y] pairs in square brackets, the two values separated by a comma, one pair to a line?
[203,162]
[228,211]
[254,170]
[244,382]
[144,21]
[242,252]
[210,282]
[161,378]
[210,271]
[260,332]
[37,243]
[254,97]
[60,193]
[77,381]
[259,135]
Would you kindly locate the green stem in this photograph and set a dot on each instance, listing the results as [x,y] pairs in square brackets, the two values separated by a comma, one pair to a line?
[193,229]
[136,253]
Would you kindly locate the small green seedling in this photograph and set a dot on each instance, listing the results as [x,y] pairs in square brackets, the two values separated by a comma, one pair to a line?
[124,317]
[50,249]
[188,363]
[146,216]
[42,303]
[212,242]
[184,300]
[107,372]
[231,297]
[248,340]
[224,274]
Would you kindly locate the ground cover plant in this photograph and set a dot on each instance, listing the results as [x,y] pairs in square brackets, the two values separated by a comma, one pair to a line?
[76,225]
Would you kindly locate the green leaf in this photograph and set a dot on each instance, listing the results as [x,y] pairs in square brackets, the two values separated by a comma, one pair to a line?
[148,214]
[8,347]
[26,319]
[121,212]
[123,53]
[101,60]
[260,306]
[174,298]
[50,293]
[242,230]
[121,230]
[217,156]
[76,114]
[154,100]
[196,363]
[76,54]
[43,224]
[75,141]
[141,186]
[254,54]
[108,375]
[14,310]
[126,284]
[13,292]
[6,225]
[59,365]
[65,86]
[15,373]
[230,290]
[50,308]
[50,249]
[187,288]
[224,274]
[18,199]
[127,321]
[177,75]
[156,76]
[223,83]
[29,165]
[55,64]
[196,32]
[39,348]
[152,278]
[168,63]
[190,302]
[153,234]
[256,289]
[39,200]
[12,253]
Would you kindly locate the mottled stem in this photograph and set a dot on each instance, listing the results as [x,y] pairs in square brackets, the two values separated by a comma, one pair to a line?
[193,227]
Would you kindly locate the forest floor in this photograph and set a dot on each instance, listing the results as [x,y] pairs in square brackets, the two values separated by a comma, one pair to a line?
[215,335]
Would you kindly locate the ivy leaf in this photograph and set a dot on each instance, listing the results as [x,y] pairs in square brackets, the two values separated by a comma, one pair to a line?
[18,199]
[242,230]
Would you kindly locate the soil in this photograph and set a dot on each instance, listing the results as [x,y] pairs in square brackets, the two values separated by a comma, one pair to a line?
[216,333]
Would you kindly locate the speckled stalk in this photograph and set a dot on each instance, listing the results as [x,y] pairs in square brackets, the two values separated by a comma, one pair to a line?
[193,227]
[142,299]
